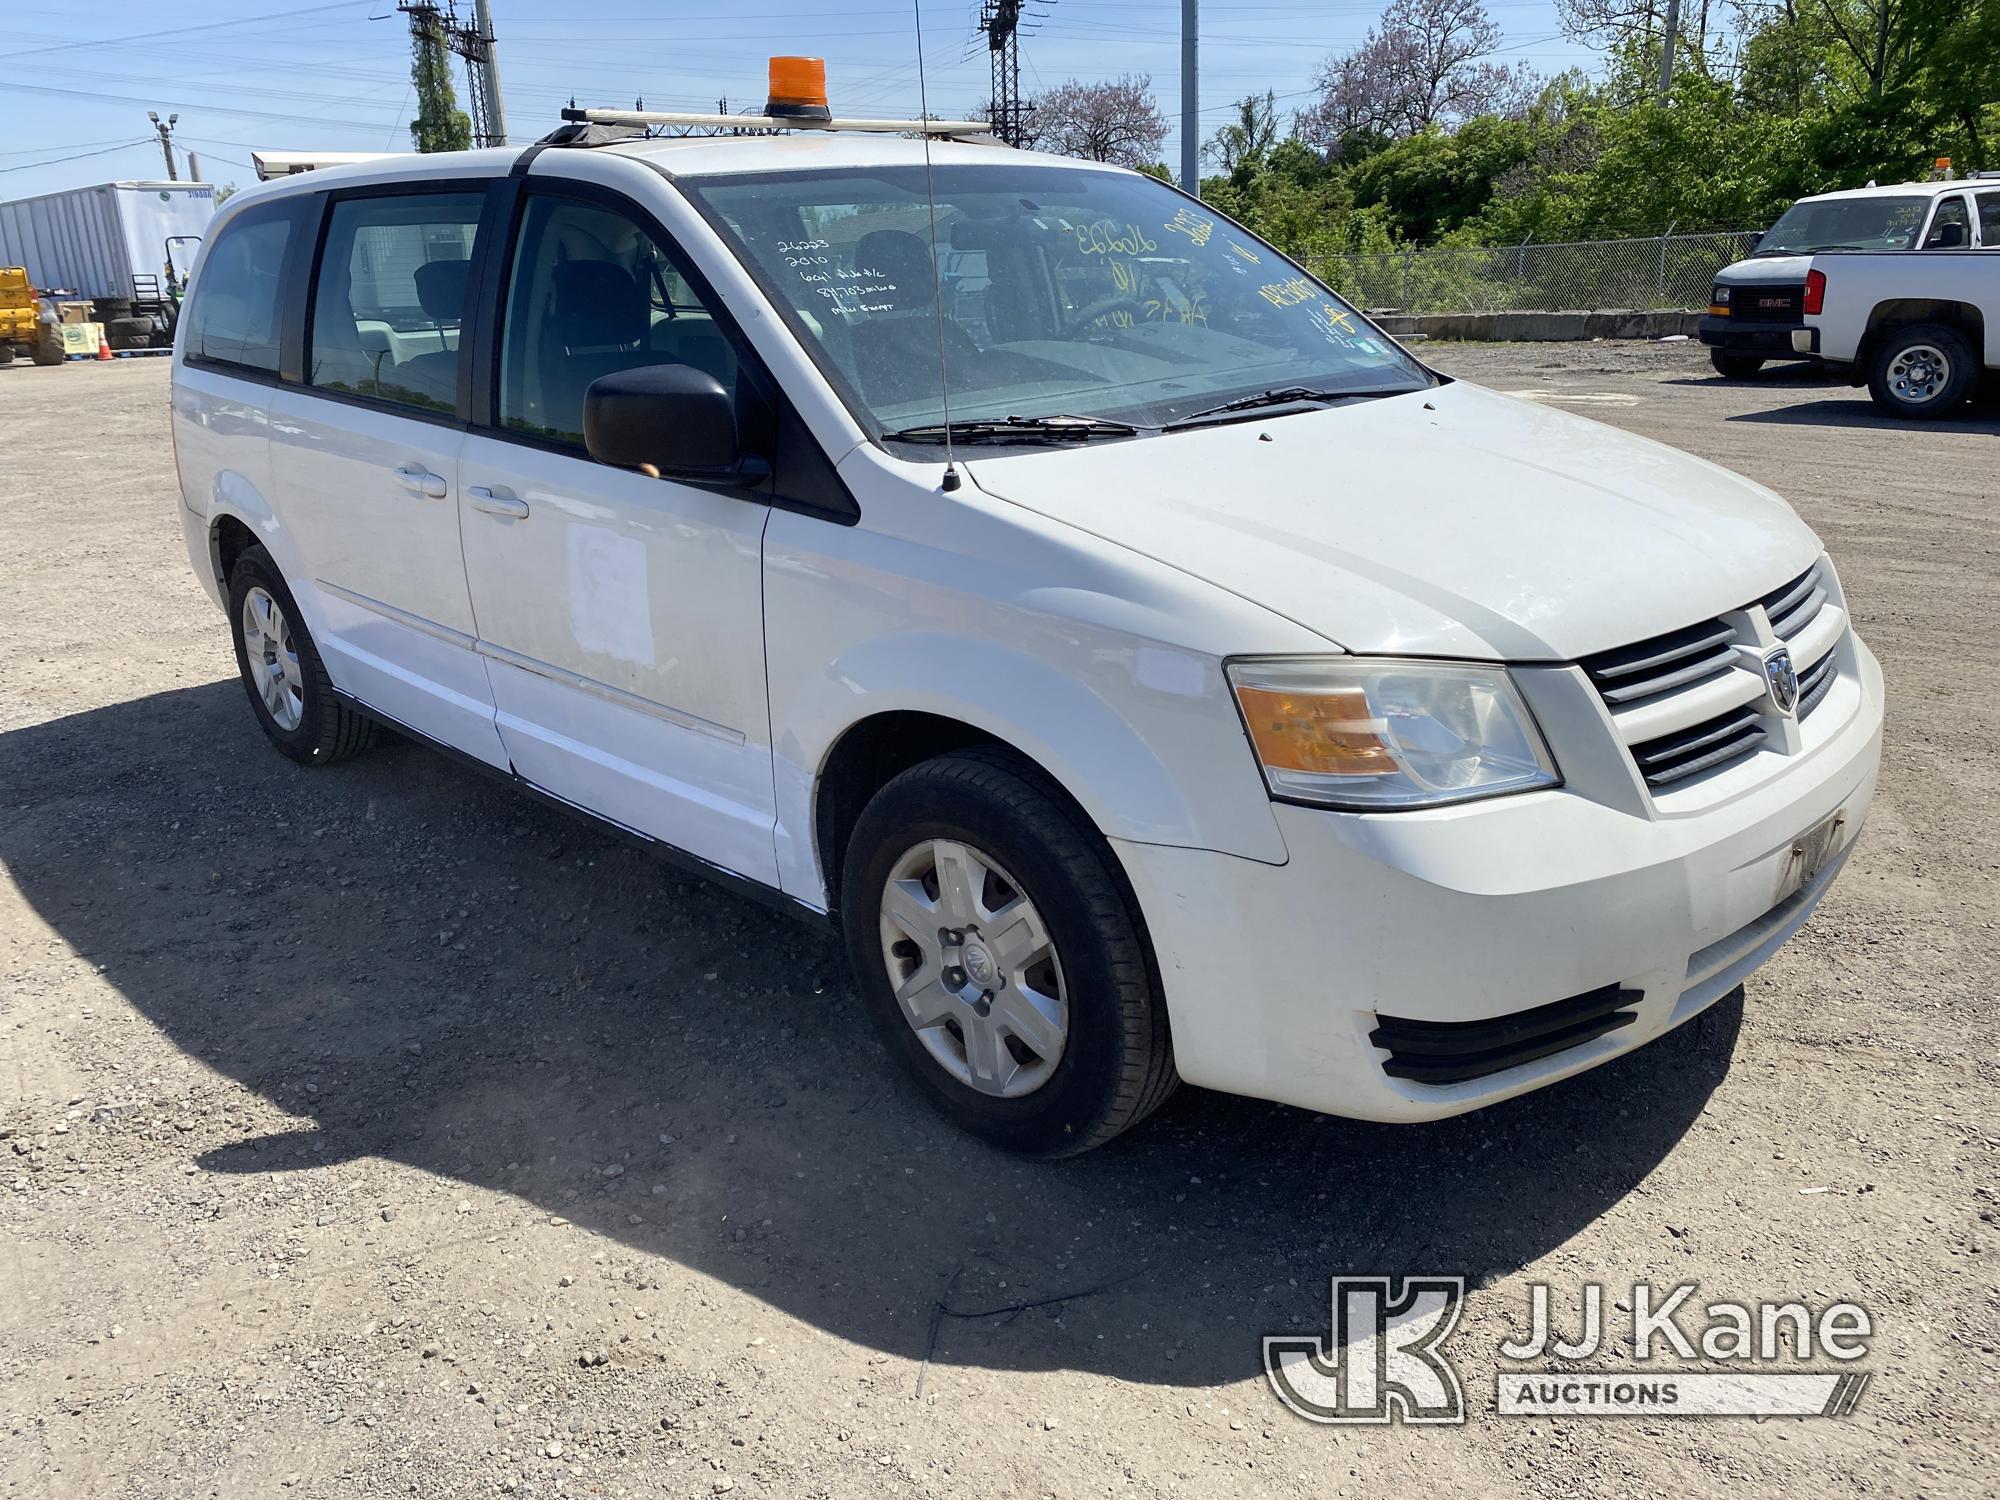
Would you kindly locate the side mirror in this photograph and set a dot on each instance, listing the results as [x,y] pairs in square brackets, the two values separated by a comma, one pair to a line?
[674,417]
[1756,238]
[1947,237]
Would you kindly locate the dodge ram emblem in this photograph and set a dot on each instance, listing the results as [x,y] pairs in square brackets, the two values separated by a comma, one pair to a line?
[1781,680]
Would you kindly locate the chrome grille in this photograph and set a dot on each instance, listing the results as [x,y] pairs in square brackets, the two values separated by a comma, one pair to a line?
[1692,700]
[1815,682]
[1796,605]
[1689,752]
[1677,659]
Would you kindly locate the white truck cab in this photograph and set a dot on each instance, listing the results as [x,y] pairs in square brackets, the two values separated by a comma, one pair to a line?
[1213,692]
[1759,303]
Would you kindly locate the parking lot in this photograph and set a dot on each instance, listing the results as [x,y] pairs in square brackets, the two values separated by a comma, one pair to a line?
[372,1130]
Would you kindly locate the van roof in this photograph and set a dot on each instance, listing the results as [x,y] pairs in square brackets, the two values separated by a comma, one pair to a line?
[679,156]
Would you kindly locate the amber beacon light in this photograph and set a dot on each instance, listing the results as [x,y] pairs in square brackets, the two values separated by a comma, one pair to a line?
[798,89]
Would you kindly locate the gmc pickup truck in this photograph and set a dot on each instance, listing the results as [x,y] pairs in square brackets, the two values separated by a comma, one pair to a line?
[1757,305]
[1916,330]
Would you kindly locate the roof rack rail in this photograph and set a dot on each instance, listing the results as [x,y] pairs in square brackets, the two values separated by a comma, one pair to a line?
[953,129]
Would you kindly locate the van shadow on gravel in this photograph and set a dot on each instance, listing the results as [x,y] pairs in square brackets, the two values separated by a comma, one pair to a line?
[421,965]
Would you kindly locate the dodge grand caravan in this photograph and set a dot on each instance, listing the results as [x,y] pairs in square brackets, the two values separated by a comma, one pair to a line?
[1210,692]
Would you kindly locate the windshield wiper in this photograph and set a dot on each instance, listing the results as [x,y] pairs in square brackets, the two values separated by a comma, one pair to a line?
[1017,429]
[1287,395]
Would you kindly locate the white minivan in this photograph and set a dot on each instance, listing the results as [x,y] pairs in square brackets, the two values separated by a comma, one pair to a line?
[1234,699]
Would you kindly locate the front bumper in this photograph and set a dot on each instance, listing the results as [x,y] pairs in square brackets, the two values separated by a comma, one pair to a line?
[1275,976]
[1771,340]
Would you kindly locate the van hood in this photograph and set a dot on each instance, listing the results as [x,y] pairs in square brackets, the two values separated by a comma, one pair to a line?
[1448,522]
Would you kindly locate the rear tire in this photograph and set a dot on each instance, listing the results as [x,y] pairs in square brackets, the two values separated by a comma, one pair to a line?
[1096,1056]
[48,347]
[1920,372]
[287,683]
[1734,366]
[6,355]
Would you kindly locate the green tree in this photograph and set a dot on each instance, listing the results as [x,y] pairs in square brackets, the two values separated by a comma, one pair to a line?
[439,124]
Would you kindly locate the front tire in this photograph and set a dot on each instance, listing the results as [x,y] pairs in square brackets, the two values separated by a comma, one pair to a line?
[287,683]
[1734,366]
[1001,959]
[1920,372]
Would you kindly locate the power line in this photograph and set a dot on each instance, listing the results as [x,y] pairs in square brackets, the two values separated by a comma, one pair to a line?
[178,31]
[27,166]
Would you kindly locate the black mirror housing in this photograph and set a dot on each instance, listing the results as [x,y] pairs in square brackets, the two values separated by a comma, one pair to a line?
[1948,237]
[674,417]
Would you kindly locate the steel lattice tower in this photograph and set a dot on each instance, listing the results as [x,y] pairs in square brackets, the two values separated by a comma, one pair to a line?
[1001,20]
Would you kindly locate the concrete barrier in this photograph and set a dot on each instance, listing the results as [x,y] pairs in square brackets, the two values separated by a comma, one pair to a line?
[1507,327]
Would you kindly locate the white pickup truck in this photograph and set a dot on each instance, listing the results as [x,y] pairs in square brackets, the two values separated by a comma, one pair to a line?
[1917,330]
[1757,309]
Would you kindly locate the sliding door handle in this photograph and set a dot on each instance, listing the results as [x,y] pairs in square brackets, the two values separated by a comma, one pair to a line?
[420,481]
[485,500]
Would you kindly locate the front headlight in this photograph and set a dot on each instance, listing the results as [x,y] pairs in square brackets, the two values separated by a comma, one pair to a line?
[1719,296]
[1370,734]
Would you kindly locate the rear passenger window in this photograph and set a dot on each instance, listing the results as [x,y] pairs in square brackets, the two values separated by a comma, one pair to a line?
[391,289]
[1989,219]
[233,319]
[590,294]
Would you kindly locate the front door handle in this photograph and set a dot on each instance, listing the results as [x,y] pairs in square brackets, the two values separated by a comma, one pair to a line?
[420,481]
[497,505]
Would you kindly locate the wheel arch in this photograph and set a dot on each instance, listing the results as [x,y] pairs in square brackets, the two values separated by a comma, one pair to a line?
[882,709]
[1903,312]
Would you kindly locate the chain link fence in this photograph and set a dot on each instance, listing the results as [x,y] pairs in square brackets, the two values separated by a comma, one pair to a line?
[1666,271]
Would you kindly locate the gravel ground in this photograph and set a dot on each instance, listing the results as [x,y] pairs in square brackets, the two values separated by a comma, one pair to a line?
[373,1131]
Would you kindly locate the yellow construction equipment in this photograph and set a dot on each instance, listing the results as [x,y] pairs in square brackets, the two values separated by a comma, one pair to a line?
[23,328]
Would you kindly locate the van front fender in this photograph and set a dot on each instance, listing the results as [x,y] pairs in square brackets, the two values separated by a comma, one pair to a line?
[1173,768]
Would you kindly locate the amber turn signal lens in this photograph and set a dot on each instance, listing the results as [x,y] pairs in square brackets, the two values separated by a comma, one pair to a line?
[1325,733]
[798,88]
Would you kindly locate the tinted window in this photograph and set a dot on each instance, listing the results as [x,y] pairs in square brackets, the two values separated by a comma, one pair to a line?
[1989,219]
[592,293]
[234,316]
[391,287]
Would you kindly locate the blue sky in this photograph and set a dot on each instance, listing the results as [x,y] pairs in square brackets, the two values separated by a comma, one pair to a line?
[286,74]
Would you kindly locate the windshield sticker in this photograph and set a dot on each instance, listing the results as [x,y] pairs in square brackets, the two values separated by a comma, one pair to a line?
[1192,225]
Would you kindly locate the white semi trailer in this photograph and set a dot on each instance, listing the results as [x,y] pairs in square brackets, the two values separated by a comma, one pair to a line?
[123,245]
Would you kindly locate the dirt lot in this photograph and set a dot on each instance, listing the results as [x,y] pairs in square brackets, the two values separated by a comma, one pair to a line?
[372,1131]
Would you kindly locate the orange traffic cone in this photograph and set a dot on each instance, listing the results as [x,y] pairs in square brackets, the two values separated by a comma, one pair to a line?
[103,344]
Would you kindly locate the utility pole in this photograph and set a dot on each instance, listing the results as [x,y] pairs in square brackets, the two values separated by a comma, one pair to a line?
[1190,98]
[166,130]
[1666,48]
[1001,20]
[493,126]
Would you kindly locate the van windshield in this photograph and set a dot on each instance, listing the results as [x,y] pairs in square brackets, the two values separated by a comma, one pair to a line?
[1846,224]
[1067,292]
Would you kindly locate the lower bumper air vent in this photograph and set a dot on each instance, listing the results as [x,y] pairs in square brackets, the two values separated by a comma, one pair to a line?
[1454,1051]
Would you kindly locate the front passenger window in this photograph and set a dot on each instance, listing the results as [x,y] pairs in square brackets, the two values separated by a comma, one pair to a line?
[390,295]
[1950,227]
[591,294]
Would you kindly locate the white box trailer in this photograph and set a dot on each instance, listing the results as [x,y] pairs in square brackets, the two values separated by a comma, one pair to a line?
[94,240]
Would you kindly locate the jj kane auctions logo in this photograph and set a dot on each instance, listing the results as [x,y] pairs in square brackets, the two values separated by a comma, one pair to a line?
[1385,1359]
